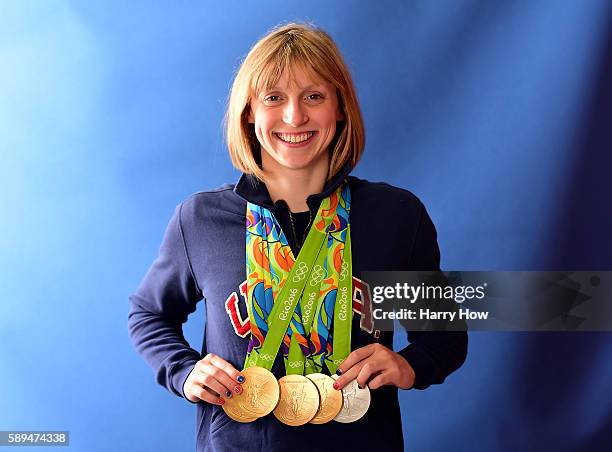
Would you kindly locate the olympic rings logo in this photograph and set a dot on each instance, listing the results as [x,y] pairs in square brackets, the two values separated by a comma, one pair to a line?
[266,357]
[344,272]
[300,273]
[295,364]
[317,275]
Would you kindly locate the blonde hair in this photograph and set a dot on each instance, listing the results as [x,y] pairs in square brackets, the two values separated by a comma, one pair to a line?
[277,51]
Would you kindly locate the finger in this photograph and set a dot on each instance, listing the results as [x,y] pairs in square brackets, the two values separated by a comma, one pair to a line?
[209,377]
[369,369]
[230,385]
[381,379]
[205,395]
[354,357]
[230,370]
[349,375]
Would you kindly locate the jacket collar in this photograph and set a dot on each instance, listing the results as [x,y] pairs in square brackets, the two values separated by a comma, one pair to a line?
[255,191]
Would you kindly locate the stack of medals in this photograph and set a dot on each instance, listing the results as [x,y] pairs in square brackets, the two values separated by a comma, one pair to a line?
[293,303]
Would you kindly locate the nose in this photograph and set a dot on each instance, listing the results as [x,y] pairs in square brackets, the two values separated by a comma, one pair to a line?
[294,113]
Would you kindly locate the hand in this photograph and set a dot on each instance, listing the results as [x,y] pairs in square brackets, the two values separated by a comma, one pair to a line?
[211,379]
[375,360]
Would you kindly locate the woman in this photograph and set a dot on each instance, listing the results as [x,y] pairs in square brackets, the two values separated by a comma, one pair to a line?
[295,130]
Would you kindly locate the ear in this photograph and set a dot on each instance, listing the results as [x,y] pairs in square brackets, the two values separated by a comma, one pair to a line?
[251,116]
[340,116]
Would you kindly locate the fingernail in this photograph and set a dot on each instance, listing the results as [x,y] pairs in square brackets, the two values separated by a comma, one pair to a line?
[338,372]
[240,379]
[237,389]
[221,401]
[335,385]
[228,393]
[359,386]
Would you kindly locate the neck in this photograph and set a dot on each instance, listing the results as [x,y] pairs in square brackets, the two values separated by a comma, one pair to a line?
[295,185]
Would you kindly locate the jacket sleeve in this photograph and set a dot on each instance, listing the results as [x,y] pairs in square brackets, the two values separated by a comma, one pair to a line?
[161,304]
[432,354]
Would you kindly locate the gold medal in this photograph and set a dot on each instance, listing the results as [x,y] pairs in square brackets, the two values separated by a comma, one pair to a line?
[330,399]
[299,400]
[236,412]
[259,396]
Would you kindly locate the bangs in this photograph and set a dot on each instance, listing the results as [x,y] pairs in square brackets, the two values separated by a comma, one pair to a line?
[286,57]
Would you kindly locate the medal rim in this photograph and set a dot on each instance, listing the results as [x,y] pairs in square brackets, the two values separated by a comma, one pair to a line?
[237,416]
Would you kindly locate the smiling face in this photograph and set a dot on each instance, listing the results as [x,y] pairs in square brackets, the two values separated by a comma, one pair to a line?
[295,121]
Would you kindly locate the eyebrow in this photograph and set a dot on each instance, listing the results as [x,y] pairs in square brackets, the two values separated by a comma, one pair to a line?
[306,88]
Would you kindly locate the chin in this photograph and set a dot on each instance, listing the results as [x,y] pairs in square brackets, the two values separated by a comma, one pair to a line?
[293,165]
[296,162]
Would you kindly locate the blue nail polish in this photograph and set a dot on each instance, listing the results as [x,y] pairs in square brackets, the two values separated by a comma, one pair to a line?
[240,379]
[338,372]
[228,393]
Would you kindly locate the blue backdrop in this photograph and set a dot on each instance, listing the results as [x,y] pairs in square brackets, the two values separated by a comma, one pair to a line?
[496,114]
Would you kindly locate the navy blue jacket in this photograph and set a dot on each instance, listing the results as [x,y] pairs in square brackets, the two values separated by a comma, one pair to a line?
[202,257]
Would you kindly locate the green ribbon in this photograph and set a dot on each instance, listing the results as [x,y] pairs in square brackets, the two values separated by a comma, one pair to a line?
[315,267]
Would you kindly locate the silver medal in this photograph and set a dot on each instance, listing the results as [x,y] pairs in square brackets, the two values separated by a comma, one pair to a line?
[355,402]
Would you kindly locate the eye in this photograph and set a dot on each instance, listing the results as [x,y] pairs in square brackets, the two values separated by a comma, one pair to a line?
[271,98]
[314,96]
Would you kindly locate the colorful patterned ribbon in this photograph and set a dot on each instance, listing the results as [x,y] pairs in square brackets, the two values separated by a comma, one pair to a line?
[292,303]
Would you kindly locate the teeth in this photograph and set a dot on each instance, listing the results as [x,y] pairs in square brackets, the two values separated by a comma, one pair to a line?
[294,138]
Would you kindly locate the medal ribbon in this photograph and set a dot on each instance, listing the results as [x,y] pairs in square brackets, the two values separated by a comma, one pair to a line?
[328,279]
[291,303]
